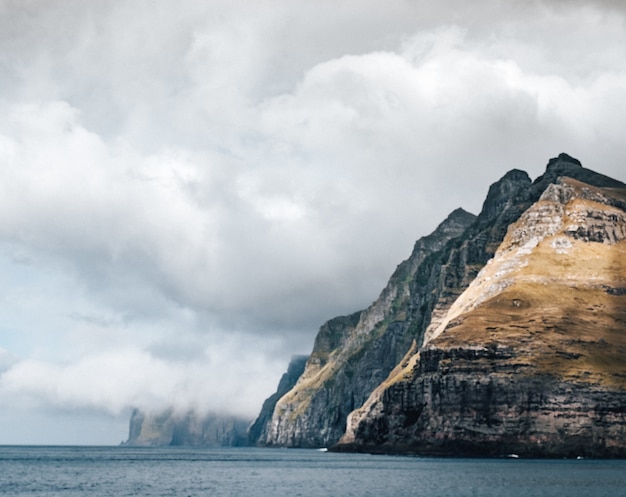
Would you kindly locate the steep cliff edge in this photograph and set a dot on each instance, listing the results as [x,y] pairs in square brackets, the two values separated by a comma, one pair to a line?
[258,429]
[352,355]
[530,359]
[378,361]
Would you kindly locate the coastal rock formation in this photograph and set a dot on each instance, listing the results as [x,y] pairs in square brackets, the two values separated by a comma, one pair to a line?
[190,429]
[506,336]
[352,355]
[530,358]
[295,369]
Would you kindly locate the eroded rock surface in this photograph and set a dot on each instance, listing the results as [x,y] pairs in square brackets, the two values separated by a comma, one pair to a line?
[506,335]
[353,354]
[530,359]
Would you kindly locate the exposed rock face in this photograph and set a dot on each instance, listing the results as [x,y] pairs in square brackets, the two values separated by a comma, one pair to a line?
[353,354]
[295,369]
[169,428]
[530,358]
[506,336]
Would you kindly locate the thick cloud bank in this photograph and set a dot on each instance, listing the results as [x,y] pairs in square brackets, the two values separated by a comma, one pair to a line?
[189,189]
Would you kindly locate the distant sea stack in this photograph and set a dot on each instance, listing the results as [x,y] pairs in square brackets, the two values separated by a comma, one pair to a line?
[168,428]
[171,428]
[503,333]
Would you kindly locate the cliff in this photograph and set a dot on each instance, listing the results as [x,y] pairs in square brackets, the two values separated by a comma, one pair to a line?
[258,429]
[530,358]
[192,429]
[353,354]
[493,340]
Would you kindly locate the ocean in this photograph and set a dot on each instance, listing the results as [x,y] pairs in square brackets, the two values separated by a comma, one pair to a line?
[250,472]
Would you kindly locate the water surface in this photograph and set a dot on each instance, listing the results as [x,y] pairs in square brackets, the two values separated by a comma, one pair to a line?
[244,472]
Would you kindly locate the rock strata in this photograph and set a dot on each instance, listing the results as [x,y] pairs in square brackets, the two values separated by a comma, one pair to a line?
[530,358]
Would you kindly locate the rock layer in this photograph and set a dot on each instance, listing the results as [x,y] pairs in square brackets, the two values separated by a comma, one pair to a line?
[530,358]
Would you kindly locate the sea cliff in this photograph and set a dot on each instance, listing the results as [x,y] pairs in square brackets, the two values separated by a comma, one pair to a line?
[502,333]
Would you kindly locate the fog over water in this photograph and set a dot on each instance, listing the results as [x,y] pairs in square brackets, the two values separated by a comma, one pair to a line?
[188,190]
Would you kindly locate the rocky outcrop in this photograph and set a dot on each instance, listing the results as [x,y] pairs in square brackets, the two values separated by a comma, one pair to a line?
[295,369]
[495,339]
[530,358]
[189,429]
[353,354]
[459,414]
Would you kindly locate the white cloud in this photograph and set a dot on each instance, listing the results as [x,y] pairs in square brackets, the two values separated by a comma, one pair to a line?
[116,379]
[7,360]
[179,181]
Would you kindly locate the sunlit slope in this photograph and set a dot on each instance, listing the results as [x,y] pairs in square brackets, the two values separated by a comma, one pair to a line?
[555,293]
[531,358]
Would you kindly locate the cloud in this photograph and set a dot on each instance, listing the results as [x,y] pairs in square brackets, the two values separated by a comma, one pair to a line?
[7,360]
[189,190]
[114,379]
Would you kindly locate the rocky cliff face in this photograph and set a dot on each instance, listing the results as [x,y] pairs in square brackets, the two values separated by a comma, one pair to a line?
[352,355]
[191,429]
[530,358]
[459,355]
[258,429]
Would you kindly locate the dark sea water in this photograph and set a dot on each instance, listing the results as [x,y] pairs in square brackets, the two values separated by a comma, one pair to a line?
[159,472]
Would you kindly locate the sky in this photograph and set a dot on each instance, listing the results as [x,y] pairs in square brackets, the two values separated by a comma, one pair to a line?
[189,189]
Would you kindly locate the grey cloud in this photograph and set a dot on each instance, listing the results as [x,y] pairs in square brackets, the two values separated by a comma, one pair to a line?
[188,179]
